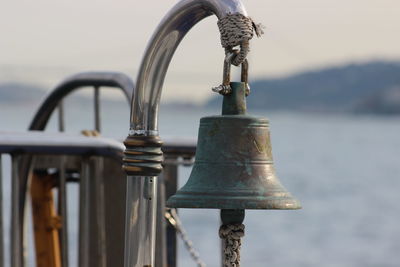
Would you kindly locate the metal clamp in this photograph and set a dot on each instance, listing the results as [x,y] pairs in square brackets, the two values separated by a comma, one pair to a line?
[225,87]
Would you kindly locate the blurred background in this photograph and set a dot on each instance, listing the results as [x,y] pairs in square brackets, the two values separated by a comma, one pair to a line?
[326,74]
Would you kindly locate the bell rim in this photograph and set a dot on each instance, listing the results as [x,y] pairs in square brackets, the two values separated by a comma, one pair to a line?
[233,202]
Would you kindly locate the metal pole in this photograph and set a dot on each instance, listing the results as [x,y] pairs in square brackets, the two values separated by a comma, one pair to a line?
[16,227]
[160,238]
[84,214]
[1,217]
[140,221]
[97,125]
[62,198]
[61,122]
[98,256]
[170,175]
[115,201]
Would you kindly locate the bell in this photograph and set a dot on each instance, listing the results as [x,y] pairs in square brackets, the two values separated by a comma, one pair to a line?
[233,168]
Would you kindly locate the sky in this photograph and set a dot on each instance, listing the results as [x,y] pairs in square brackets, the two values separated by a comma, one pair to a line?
[44,41]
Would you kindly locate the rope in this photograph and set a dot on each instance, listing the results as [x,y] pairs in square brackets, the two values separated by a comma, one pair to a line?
[231,234]
[237,29]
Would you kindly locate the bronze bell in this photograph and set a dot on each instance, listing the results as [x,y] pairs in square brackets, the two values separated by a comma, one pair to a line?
[233,168]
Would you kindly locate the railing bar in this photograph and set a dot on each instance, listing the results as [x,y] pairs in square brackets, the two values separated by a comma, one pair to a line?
[16,235]
[98,180]
[83,214]
[61,122]
[170,174]
[97,125]
[62,193]
[1,216]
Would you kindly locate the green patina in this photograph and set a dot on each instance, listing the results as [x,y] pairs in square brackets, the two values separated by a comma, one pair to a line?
[233,168]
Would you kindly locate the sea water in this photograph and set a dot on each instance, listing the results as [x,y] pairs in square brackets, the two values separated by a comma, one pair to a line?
[344,169]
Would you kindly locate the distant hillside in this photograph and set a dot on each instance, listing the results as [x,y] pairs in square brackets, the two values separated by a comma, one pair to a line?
[370,87]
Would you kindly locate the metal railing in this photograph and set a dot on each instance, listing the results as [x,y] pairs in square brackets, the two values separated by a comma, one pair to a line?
[54,101]
[75,158]
[59,152]
[95,165]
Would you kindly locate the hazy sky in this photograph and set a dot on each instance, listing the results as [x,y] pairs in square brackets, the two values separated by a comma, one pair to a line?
[44,40]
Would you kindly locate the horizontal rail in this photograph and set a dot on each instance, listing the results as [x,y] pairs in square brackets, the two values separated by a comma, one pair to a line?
[38,142]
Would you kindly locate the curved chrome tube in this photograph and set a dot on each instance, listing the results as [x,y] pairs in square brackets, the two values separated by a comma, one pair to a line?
[179,20]
[141,190]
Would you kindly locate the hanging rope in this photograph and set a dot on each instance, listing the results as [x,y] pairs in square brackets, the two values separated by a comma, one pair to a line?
[237,29]
[231,235]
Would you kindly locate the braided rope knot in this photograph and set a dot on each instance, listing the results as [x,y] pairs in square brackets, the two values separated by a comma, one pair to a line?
[234,29]
[231,234]
[237,29]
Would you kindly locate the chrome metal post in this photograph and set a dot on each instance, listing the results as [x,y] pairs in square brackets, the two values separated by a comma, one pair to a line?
[145,103]
[140,229]
[17,258]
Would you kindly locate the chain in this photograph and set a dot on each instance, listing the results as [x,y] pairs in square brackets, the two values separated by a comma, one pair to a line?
[172,216]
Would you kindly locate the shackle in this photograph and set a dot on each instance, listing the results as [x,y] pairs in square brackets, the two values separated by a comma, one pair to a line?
[225,88]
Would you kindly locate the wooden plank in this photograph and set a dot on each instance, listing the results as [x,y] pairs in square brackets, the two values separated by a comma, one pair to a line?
[46,222]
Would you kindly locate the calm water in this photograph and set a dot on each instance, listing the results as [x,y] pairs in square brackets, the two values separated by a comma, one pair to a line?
[345,170]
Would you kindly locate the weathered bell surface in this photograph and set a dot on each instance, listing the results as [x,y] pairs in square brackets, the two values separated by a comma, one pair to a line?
[233,167]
